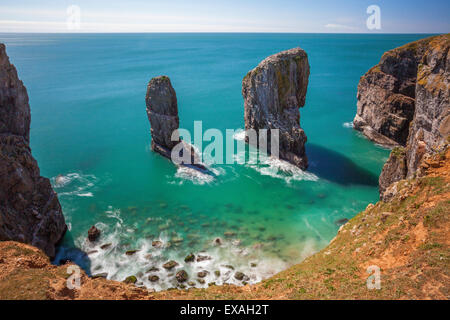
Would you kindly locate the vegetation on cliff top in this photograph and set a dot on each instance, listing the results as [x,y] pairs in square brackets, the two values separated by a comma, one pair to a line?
[406,237]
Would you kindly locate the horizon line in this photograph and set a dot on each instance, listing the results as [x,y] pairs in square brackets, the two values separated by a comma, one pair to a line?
[222,32]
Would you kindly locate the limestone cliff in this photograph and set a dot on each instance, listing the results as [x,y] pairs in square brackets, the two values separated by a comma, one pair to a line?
[29,208]
[404,102]
[273,93]
[386,95]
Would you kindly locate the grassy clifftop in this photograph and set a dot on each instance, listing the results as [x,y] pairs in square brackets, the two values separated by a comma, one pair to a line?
[407,238]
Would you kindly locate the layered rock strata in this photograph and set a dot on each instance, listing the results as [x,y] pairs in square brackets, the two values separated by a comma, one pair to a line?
[273,93]
[162,112]
[404,102]
[29,208]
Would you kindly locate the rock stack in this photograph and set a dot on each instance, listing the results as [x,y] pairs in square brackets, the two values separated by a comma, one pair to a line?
[162,112]
[29,208]
[273,93]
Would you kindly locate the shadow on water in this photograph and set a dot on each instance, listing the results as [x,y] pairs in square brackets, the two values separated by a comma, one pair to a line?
[333,166]
[67,251]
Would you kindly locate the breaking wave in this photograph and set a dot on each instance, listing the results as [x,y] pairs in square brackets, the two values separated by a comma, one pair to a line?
[74,184]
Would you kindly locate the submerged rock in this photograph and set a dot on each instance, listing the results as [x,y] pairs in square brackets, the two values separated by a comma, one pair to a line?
[131,252]
[202,274]
[341,221]
[29,208]
[93,233]
[105,246]
[240,276]
[153,278]
[203,258]
[152,269]
[170,265]
[130,280]
[273,93]
[156,244]
[181,276]
[189,258]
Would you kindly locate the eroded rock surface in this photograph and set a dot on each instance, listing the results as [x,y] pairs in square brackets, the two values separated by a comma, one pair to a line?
[412,77]
[273,93]
[29,208]
[162,112]
[386,95]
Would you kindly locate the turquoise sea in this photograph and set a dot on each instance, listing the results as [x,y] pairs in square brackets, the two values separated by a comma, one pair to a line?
[89,125]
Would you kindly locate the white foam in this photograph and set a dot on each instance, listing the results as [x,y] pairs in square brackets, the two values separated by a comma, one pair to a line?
[239,135]
[347,124]
[74,184]
[118,265]
[280,169]
[196,177]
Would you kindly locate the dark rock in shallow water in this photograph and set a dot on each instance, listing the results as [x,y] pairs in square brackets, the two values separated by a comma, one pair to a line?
[29,208]
[156,244]
[202,274]
[341,221]
[93,233]
[229,233]
[131,252]
[130,280]
[217,273]
[189,258]
[100,275]
[239,276]
[273,93]
[153,269]
[181,276]
[153,278]
[105,246]
[229,266]
[203,258]
[170,265]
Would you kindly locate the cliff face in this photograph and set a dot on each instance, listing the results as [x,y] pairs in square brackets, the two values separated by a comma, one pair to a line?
[273,93]
[404,102]
[386,95]
[29,208]
[431,124]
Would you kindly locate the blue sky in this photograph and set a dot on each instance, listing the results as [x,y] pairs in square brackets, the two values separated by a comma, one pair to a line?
[347,16]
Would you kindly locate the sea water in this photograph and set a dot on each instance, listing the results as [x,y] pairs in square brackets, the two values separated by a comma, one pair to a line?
[91,137]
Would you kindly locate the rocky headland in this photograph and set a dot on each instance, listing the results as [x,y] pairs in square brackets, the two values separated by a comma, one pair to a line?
[29,208]
[273,93]
[404,234]
[404,102]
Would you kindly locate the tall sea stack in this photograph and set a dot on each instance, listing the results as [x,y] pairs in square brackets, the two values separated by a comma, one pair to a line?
[404,102]
[273,93]
[29,208]
[162,112]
